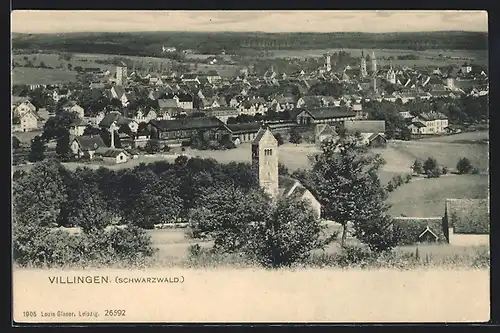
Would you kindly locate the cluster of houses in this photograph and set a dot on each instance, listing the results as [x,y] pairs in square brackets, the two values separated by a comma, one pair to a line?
[189,103]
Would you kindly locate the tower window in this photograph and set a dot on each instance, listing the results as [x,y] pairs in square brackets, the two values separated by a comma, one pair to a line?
[268,152]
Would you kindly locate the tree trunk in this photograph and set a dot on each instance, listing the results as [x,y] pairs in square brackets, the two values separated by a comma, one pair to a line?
[344,235]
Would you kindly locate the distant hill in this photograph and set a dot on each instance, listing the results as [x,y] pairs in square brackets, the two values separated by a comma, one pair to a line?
[149,43]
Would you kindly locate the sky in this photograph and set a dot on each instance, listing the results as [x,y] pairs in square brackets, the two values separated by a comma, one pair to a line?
[45,21]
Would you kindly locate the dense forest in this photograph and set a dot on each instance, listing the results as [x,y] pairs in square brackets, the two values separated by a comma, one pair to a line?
[149,43]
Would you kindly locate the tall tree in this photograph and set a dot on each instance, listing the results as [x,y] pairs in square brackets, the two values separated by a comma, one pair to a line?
[62,147]
[37,150]
[345,180]
[295,136]
[39,195]
[159,203]
[89,209]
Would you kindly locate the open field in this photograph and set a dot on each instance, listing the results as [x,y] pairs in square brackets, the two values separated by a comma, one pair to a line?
[428,57]
[426,197]
[258,295]
[447,154]
[465,137]
[52,60]
[28,75]
[223,70]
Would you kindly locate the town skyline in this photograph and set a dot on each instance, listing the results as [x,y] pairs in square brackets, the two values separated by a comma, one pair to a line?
[26,21]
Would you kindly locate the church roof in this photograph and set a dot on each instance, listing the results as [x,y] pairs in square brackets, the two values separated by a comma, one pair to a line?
[260,135]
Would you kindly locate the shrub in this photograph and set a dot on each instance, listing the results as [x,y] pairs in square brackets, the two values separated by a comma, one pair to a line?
[444,171]
[475,171]
[408,178]
[398,180]
[417,167]
[390,186]
[464,166]
[35,246]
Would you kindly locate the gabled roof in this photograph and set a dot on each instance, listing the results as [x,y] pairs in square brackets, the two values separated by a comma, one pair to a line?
[167,103]
[111,152]
[365,126]
[428,116]
[88,142]
[330,112]
[244,127]
[187,123]
[114,117]
[325,129]
[262,131]
[119,90]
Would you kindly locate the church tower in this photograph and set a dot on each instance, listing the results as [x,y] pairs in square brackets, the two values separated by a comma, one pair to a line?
[265,160]
[391,75]
[364,73]
[374,63]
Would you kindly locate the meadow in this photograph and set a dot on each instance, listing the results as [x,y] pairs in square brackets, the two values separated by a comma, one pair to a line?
[426,197]
[31,75]
[427,58]
[465,137]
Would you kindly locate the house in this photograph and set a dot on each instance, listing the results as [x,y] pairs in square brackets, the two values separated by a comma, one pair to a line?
[365,126]
[416,127]
[118,92]
[292,188]
[118,120]
[285,102]
[310,102]
[212,76]
[185,128]
[73,107]
[414,230]
[209,103]
[190,77]
[58,94]
[324,132]
[358,109]
[264,150]
[252,107]
[25,122]
[326,115]
[222,113]
[77,127]
[244,132]
[22,105]
[468,221]
[113,155]
[86,146]
[184,100]
[435,122]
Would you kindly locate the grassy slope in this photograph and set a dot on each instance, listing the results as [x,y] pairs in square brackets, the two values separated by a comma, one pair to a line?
[426,197]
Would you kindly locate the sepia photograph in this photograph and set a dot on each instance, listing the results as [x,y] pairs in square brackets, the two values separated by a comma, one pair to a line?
[250,166]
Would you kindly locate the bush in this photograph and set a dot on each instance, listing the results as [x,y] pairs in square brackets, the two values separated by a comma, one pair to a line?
[417,167]
[398,180]
[390,186]
[35,246]
[408,178]
[435,173]
[464,166]
[475,171]
[444,171]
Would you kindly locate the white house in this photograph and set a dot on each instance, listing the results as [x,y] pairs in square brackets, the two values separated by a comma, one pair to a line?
[434,123]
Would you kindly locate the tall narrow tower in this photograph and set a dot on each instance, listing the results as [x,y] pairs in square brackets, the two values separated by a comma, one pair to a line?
[374,62]
[364,72]
[328,62]
[265,161]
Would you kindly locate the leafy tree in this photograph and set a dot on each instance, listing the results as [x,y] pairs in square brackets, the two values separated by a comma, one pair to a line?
[279,138]
[37,150]
[345,180]
[226,215]
[91,130]
[464,165]
[152,147]
[159,203]
[39,195]
[431,168]
[62,147]
[295,136]
[417,167]
[88,210]
[282,169]
[287,236]
[58,125]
